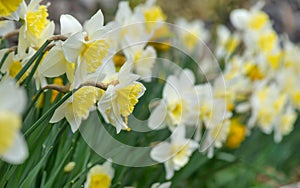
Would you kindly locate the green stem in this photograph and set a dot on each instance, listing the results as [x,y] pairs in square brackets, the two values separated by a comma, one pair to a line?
[48,113]
[32,103]
[37,62]
[4,58]
[32,59]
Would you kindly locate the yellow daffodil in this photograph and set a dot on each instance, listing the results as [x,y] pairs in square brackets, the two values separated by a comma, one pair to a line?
[86,46]
[77,107]
[178,103]
[118,101]
[174,155]
[37,28]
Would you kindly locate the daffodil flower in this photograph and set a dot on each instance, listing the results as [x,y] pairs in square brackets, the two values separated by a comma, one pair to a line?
[191,34]
[13,148]
[55,64]
[174,154]
[215,135]
[143,60]
[86,46]
[254,19]
[119,99]
[153,14]
[100,176]
[271,110]
[129,27]
[14,63]
[178,103]
[77,107]
[227,42]
[36,28]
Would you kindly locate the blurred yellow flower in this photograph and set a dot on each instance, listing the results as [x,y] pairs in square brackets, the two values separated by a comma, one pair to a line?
[236,135]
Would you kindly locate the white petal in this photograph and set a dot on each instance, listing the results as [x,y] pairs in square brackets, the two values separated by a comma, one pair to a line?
[69,25]
[73,121]
[187,77]
[171,91]
[12,98]
[47,32]
[239,18]
[124,12]
[157,117]
[161,152]
[18,152]
[59,113]
[95,23]
[178,135]
[34,4]
[109,169]
[23,43]
[169,170]
[72,47]
[54,63]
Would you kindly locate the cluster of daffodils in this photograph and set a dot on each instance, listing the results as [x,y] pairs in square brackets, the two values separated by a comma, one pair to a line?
[104,67]
[257,87]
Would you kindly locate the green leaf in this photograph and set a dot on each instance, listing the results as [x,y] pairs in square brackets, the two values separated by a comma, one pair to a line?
[30,180]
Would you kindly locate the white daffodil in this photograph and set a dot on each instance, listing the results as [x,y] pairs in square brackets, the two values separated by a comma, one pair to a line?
[228,88]
[55,64]
[143,60]
[285,124]
[10,9]
[226,42]
[86,46]
[267,103]
[129,27]
[179,102]
[36,28]
[13,148]
[161,185]
[213,117]
[77,107]
[289,81]
[254,19]
[215,135]
[119,99]
[192,34]
[211,110]
[153,15]
[100,176]
[14,63]
[290,57]
[176,154]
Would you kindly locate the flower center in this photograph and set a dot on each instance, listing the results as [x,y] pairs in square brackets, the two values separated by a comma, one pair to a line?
[128,97]
[84,99]
[37,21]
[266,41]
[176,109]
[93,54]
[100,181]
[259,20]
